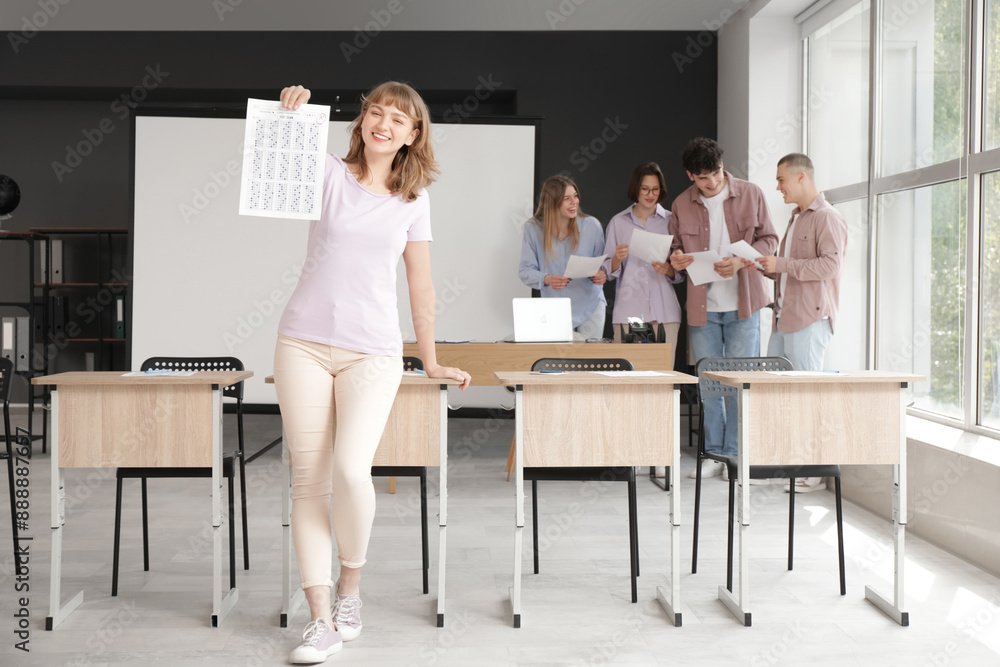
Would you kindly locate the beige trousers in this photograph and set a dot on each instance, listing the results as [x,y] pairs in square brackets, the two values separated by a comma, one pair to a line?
[334,405]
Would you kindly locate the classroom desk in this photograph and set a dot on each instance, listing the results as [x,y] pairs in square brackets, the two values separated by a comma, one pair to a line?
[416,434]
[584,419]
[104,420]
[483,360]
[846,418]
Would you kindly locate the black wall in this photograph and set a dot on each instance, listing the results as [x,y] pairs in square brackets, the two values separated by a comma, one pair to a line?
[615,95]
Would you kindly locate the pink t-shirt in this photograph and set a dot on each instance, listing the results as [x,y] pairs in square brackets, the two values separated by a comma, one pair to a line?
[346,295]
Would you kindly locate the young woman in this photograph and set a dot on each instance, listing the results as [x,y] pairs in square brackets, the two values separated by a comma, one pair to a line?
[644,289]
[559,229]
[338,359]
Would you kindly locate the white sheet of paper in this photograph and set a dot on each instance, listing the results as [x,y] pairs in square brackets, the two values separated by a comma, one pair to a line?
[803,373]
[284,160]
[743,249]
[702,269]
[167,374]
[649,247]
[583,267]
[631,374]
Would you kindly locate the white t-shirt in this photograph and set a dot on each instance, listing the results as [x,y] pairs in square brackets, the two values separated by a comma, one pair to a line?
[723,295]
[346,294]
[786,253]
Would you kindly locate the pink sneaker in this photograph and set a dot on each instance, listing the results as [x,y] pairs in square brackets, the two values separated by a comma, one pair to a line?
[347,616]
[319,642]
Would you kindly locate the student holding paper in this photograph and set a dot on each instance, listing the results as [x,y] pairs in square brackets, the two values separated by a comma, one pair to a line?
[645,289]
[338,359]
[717,210]
[558,230]
[807,276]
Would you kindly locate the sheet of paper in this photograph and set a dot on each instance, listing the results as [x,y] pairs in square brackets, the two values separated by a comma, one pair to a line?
[583,267]
[631,374]
[803,373]
[743,249]
[702,269]
[648,246]
[284,160]
[159,374]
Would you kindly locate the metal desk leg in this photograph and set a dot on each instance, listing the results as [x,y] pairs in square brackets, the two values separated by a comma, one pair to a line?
[515,593]
[57,611]
[672,604]
[740,607]
[894,609]
[290,602]
[221,605]
[443,515]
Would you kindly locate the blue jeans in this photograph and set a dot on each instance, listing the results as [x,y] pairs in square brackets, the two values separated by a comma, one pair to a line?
[725,335]
[805,348]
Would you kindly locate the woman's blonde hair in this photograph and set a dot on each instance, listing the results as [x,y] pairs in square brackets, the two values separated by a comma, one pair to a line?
[547,214]
[414,166]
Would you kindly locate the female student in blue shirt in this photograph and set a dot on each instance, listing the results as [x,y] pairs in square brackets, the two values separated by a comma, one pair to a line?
[560,229]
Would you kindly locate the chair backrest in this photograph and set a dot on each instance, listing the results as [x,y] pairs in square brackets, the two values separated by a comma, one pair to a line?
[565,365]
[6,379]
[200,364]
[715,389]
[412,364]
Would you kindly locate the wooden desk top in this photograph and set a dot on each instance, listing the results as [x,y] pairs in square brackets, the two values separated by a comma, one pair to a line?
[591,378]
[734,378]
[78,378]
[407,379]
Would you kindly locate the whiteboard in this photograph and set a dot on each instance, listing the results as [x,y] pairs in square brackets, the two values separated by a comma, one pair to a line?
[209,282]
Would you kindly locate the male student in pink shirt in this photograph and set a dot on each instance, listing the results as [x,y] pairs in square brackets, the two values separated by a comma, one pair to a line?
[806,274]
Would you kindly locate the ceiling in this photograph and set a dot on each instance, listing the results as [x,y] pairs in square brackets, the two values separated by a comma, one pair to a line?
[375,15]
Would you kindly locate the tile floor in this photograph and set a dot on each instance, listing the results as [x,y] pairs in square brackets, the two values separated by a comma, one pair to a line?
[577,612]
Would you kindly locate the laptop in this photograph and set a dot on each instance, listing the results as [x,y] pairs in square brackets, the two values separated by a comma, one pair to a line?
[543,320]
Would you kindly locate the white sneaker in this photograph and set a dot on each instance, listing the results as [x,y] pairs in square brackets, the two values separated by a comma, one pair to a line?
[725,473]
[767,481]
[319,642]
[808,484]
[709,468]
[660,471]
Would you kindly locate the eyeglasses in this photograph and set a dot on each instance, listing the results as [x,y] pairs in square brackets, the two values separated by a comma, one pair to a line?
[650,191]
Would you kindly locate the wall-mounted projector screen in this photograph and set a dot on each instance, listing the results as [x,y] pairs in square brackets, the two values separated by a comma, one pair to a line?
[209,282]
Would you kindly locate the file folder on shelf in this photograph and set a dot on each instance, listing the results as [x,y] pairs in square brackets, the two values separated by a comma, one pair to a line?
[22,345]
[7,341]
[119,317]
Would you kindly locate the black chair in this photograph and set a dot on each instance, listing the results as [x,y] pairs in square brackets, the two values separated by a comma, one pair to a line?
[228,465]
[714,389]
[603,474]
[413,364]
[6,384]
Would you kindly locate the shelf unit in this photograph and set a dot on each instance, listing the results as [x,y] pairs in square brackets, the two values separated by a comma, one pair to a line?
[86,310]
[33,306]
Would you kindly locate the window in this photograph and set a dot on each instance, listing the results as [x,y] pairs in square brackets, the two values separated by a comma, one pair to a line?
[921,291]
[989,295]
[848,345]
[923,83]
[991,87]
[838,97]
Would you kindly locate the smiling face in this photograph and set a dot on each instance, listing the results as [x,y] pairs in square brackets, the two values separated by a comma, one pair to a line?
[570,202]
[385,129]
[790,183]
[710,183]
[649,191]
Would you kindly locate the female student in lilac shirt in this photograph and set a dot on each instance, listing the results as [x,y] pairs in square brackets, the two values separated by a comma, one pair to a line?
[338,359]
[560,229]
[644,289]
